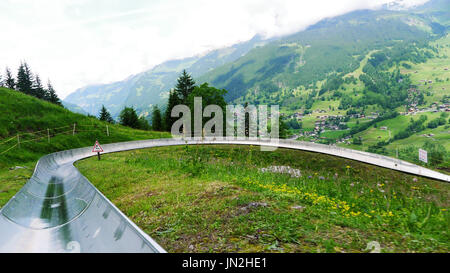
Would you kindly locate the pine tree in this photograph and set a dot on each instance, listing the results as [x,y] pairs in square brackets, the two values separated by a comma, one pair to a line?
[9,81]
[184,87]
[172,102]
[128,117]
[143,124]
[51,95]
[156,119]
[38,89]
[105,115]
[25,79]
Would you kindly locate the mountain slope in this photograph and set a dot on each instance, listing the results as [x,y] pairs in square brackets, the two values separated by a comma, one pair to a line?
[335,45]
[25,119]
[74,108]
[151,87]
[323,68]
[436,10]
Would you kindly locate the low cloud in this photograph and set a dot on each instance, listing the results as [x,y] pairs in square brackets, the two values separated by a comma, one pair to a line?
[77,43]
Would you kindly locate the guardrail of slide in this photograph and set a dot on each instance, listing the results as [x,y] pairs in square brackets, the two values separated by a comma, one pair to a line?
[10,144]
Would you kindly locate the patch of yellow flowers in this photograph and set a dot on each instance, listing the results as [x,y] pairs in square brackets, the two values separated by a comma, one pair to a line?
[337,205]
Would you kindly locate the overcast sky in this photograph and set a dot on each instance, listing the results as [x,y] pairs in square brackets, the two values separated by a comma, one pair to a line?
[81,42]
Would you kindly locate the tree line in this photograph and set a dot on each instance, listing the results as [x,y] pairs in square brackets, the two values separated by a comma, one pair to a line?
[183,93]
[161,120]
[30,84]
[127,117]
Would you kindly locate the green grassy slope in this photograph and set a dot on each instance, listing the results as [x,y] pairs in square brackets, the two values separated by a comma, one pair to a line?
[30,117]
[216,199]
[434,69]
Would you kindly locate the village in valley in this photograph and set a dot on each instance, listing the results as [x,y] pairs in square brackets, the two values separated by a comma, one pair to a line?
[323,121]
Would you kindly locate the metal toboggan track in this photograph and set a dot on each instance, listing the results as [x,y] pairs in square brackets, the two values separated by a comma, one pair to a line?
[59,210]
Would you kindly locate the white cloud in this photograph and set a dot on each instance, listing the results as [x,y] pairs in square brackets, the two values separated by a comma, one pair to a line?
[76,43]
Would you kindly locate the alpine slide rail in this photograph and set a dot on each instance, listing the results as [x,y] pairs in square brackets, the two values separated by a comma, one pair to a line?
[59,210]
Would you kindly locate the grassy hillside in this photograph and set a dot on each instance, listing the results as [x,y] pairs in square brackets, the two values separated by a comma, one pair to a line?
[436,70]
[30,117]
[217,199]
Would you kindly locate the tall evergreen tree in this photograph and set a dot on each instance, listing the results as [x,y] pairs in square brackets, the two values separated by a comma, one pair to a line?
[210,95]
[143,123]
[172,102]
[51,94]
[185,86]
[9,81]
[128,117]
[156,119]
[105,115]
[38,89]
[25,79]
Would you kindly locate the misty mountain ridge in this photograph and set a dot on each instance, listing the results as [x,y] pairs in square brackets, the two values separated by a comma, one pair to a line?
[258,69]
[151,87]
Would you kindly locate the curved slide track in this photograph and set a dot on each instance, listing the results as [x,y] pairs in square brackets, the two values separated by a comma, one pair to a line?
[59,210]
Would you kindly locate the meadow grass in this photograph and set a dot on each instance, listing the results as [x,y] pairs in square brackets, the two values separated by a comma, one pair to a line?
[215,199]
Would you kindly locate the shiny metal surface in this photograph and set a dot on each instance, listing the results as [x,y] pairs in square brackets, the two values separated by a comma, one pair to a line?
[59,210]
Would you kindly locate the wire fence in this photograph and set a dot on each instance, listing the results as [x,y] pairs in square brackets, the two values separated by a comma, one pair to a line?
[9,143]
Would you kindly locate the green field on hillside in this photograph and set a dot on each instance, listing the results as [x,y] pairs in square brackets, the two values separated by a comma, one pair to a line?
[436,69]
[217,199]
[394,126]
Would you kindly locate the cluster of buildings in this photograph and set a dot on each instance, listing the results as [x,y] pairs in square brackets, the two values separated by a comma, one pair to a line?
[434,107]
[331,122]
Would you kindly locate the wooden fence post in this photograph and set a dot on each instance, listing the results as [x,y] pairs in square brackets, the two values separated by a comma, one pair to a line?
[48,135]
[73,133]
[18,140]
[107,130]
